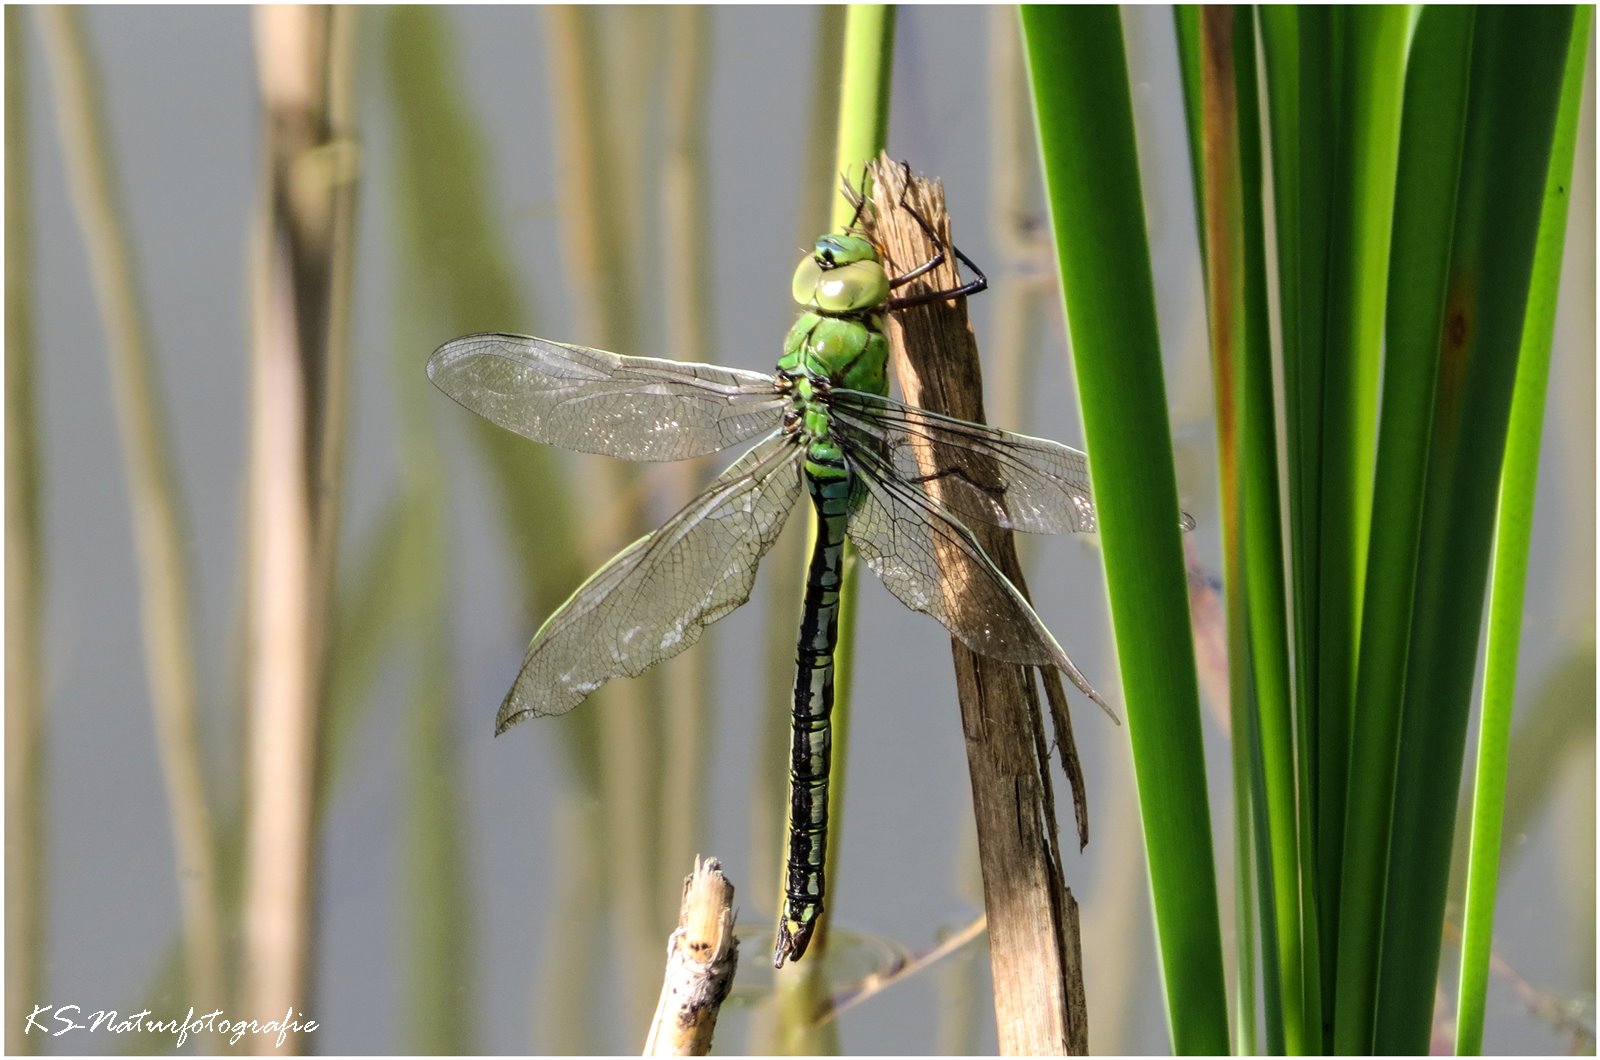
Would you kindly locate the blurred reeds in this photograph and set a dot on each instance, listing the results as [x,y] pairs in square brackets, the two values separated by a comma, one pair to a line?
[629,200]
[159,522]
[302,257]
[26,880]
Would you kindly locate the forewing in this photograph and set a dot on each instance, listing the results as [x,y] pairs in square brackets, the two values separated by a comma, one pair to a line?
[934,565]
[637,408]
[656,597]
[979,473]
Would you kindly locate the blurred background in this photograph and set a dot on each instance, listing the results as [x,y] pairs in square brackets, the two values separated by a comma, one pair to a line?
[640,180]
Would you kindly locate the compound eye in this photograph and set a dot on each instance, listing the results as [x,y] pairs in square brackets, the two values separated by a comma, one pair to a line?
[844,288]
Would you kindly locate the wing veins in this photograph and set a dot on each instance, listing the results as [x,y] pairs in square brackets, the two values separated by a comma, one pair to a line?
[596,401]
[1046,494]
[997,449]
[573,666]
[942,525]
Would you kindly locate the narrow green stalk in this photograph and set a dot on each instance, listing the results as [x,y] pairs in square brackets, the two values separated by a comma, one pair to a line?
[1518,58]
[1320,49]
[1303,156]
[1085,124]
[1265,591]
[1275,1002]
[1298,113]
[863,98]
[1513,533]
[1227,147]
[1205,45]
[1369,89]
[863,133]
[1432,123]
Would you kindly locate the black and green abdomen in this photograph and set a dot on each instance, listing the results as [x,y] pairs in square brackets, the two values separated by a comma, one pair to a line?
[829,483]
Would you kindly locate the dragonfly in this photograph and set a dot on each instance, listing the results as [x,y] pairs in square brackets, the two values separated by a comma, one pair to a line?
[823,425]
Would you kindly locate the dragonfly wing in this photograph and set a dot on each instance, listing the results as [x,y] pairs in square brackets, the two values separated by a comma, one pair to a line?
[637,408]
[656,597]
[934,565]
[980,473]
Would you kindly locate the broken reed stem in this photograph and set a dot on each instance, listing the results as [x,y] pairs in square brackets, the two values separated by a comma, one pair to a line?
[1033,924]
[702,956]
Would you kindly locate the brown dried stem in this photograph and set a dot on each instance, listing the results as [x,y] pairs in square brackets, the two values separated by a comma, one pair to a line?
[1033,918]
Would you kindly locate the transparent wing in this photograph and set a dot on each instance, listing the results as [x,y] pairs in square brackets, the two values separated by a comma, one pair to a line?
[657,595]
[979,473]
[934,565]
[637,408]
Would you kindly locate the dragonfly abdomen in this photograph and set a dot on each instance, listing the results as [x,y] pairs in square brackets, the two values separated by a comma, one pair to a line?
[829,483]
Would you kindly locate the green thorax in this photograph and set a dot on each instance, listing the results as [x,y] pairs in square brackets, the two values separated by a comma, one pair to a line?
[842,289]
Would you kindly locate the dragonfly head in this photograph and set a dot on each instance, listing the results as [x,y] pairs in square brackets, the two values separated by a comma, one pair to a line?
[842,274]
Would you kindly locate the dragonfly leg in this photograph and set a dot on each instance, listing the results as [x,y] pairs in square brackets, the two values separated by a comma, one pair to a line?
[978,283]
[856,198]
[992,489]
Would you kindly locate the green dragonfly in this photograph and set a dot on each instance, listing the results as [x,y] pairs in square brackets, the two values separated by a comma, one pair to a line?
[826,428]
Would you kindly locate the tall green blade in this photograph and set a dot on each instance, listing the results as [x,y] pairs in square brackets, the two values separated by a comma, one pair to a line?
[1303,47]
[1085,122]
[1265,589]
[1369,88]
[1297,64]
[1424,211]
[1517,63]
[1226,144]
[1206,59]
[1512,536]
